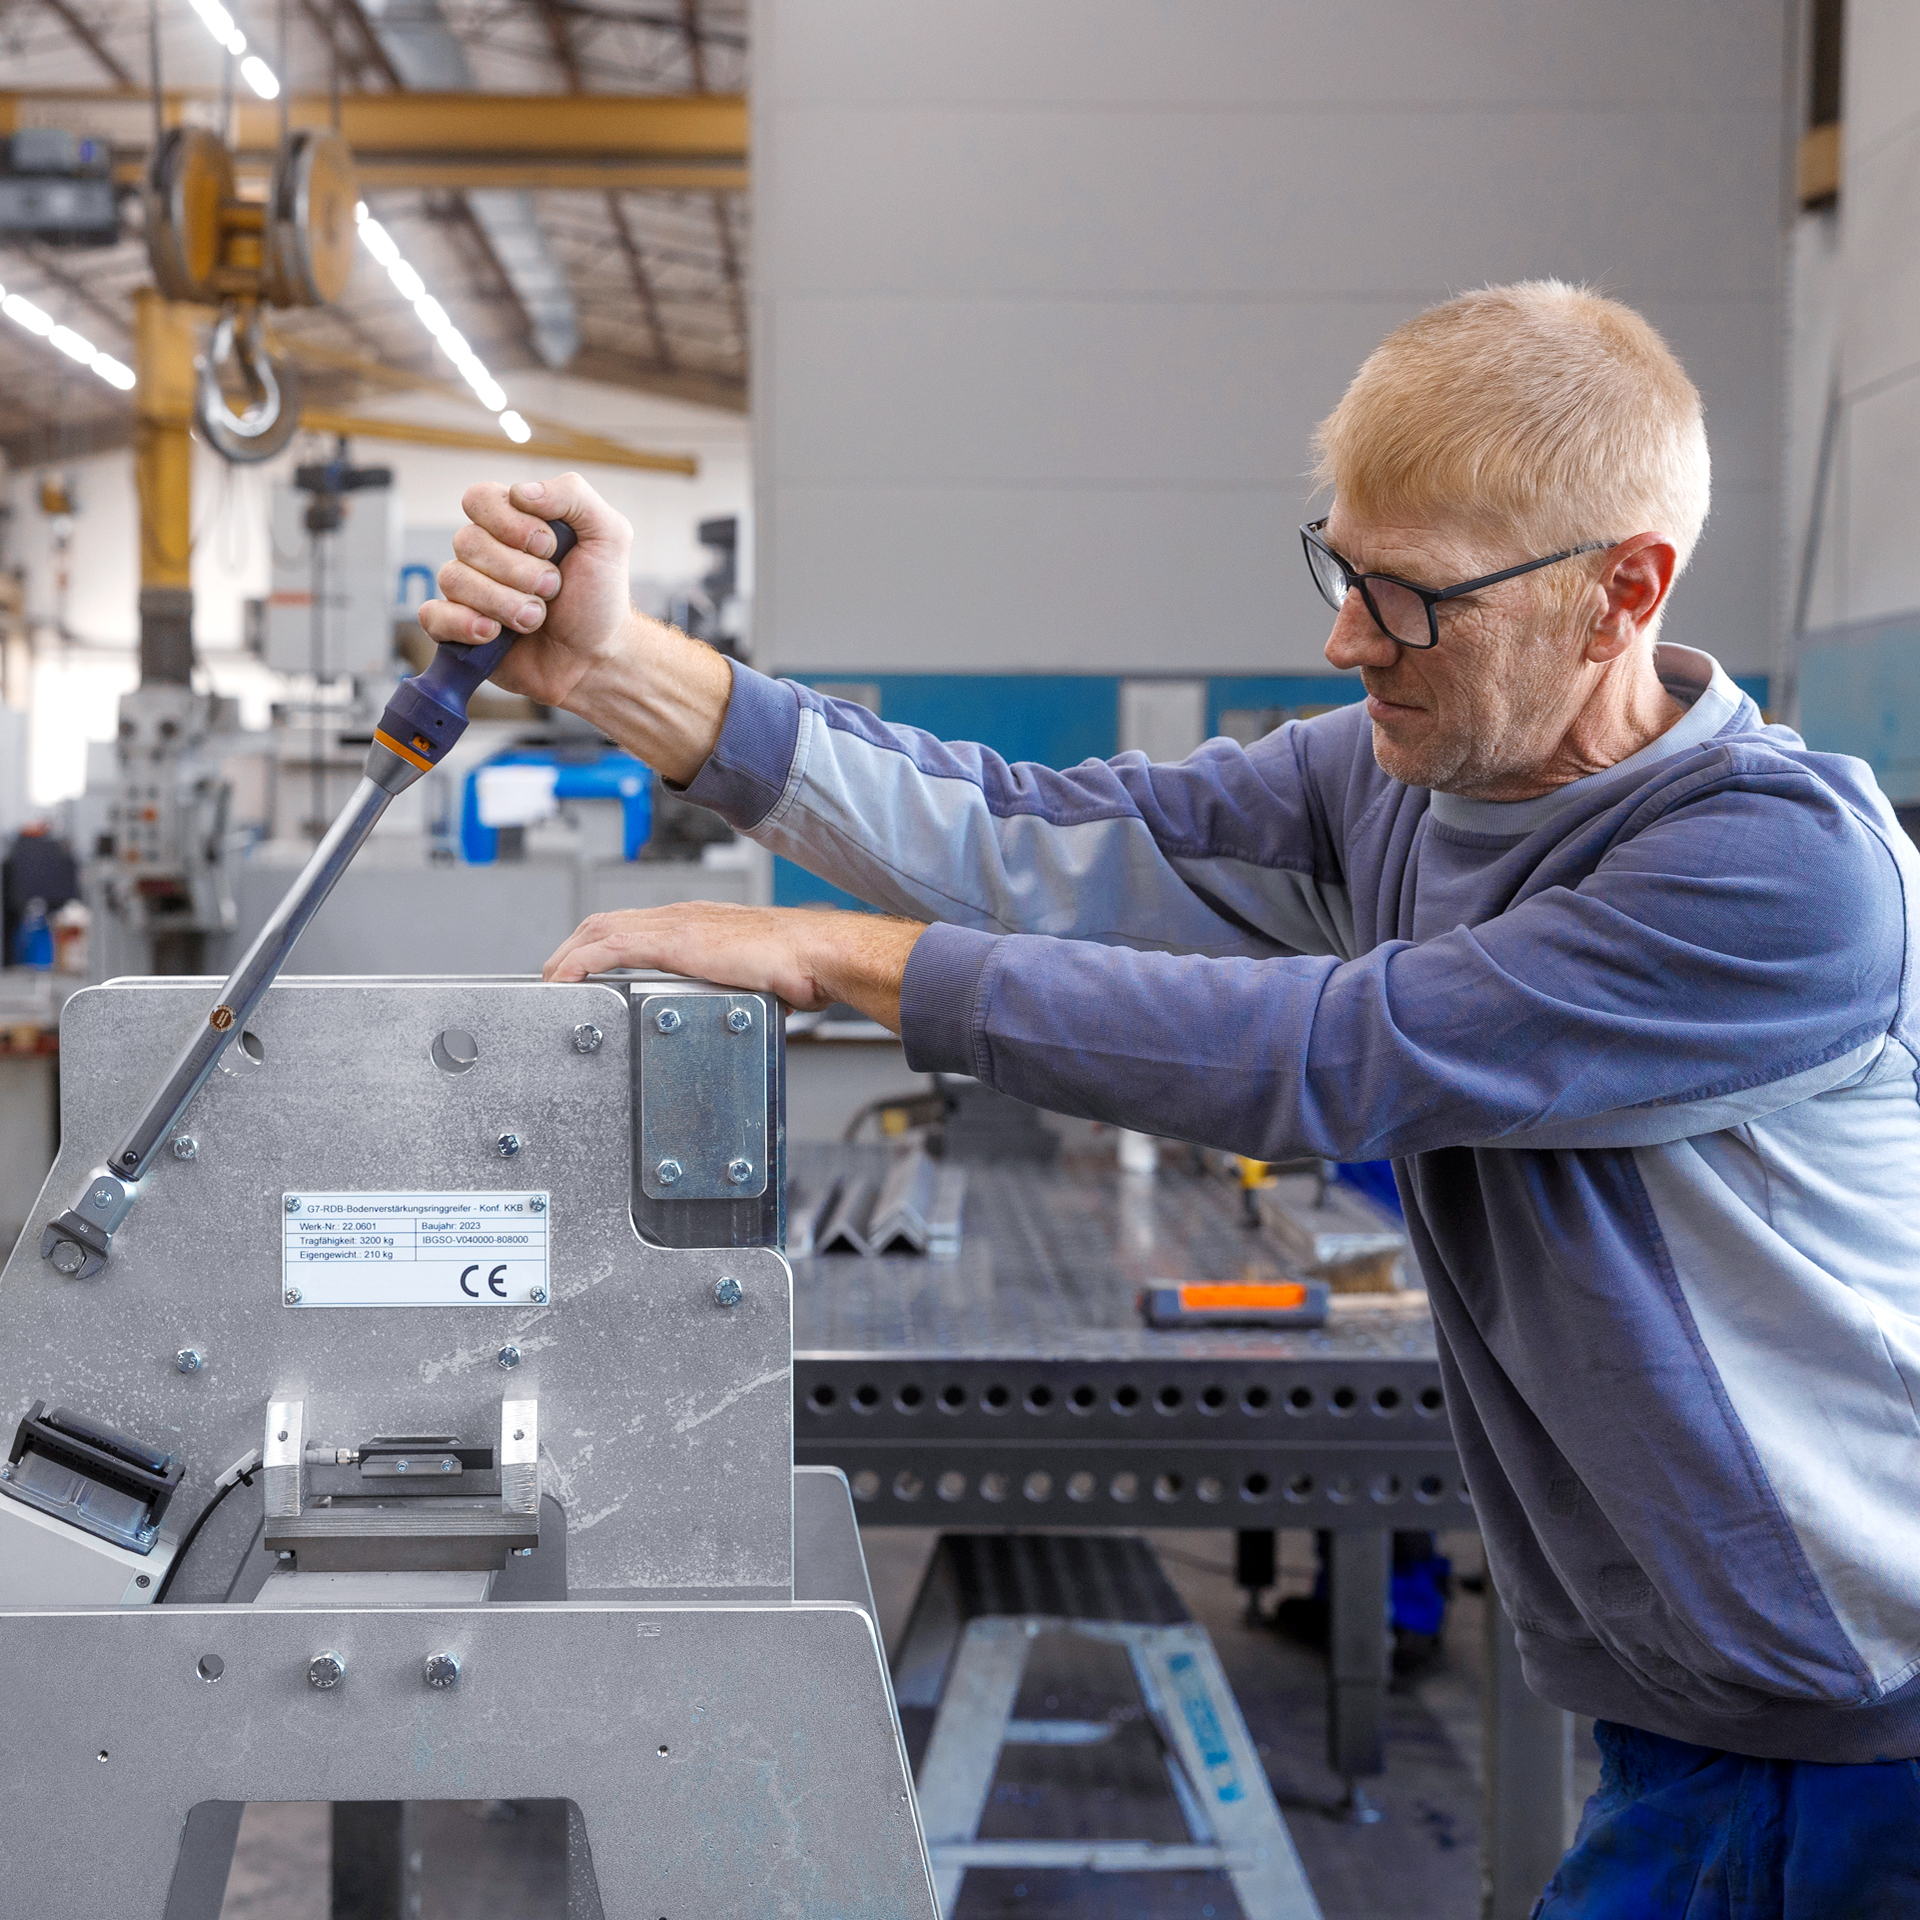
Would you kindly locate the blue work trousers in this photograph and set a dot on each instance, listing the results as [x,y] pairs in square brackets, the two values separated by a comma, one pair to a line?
[1679,1832]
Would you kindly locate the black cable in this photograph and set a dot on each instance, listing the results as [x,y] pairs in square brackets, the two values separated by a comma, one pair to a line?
[242,1478]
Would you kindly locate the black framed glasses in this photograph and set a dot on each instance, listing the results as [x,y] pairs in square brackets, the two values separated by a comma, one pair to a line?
[1401,610]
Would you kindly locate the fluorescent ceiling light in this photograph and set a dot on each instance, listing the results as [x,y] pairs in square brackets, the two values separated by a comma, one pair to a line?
[76,346]
[434,317]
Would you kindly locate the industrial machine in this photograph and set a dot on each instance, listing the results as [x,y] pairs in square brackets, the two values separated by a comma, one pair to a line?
[453,1313]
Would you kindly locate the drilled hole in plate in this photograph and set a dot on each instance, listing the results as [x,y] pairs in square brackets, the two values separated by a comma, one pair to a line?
[252,1048]
[211,1667]
[454,1050]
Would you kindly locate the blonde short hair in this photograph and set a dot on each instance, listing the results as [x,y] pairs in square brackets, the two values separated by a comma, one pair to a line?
[1537,411]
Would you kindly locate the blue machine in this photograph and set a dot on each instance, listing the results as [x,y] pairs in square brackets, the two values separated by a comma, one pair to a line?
[611,775]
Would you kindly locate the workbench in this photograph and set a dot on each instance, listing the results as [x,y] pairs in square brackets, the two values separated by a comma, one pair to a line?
[1016,1385]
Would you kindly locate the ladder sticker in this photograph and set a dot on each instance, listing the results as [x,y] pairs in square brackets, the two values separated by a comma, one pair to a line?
[414,1249]
[1203,1721]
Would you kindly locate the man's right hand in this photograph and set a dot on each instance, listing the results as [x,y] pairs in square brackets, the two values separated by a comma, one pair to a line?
[503,576]
[659,694]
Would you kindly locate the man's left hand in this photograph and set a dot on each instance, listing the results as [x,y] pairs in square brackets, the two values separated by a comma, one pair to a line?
[811,959]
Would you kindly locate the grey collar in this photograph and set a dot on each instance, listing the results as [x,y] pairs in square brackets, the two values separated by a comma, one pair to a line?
[1686,673]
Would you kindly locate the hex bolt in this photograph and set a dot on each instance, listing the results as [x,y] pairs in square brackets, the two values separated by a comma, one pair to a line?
[587,1037]
[726,1291]
[738,1020]
[68,1256]
[446,1466]
[401,1465]
[185,1146]
[739,1171]
[509,1145]
[509,1357]
[538,1295]
[188,1360]
[668,1171]
[293,1203]
[293,1296]
[667,1020]
[538,1204]
[326,1670]
[441,1670]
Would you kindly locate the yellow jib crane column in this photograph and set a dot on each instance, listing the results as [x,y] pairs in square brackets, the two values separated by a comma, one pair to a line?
[164,344]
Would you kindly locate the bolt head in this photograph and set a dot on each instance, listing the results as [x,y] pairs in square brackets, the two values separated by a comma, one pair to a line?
[400,1466]
[523,1553]
[326,1670]
[185,1146]
[6,1473]
[509,1145]
[738,1020]
[188,1360]
[667,1020]
[727,1291]
[509,1357]
[587,1038]
[537,1204]
[441,1670]
[739,1171]
[446,1466]
[293,1203]
[538,1295]
[103,1195]
[667,1172]
[293,1296]
[68,1256]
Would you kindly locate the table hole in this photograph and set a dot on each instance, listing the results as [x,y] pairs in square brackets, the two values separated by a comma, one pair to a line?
[822,1396]
[1255,1400]
[907,1485]
[1212,1399]
[454,1050]
[1168,1487]
[1125,1399]
[1124,1487]
[1342,1400]
[1428,1488]
[1039,1397]
[1299,1487]
[1168,1399]
[866,1397]
[866,1484]
[1432,1400]
[908,1399]
[1386,1488]
[1387,1400]
[952,1397]
[996,1399]
[951,1486]
[995,1487]
[1037,1487]
[1082,1399]
[1341,1489]
[1082,1486]
[1255,1487]
[1211,1489]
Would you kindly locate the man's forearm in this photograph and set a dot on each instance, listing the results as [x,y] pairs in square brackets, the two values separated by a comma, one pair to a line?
[662,696]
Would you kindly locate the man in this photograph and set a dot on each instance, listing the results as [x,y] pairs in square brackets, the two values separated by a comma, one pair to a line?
[1617,975]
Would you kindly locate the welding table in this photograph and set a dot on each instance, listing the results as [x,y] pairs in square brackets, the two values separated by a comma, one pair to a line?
[1016,1385]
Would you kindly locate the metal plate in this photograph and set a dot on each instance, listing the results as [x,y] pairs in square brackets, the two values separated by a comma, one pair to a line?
[703,1118]
[727,1760]
[414,1249]
[665,1420]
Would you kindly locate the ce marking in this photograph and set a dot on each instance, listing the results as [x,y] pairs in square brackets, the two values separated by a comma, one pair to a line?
[496,1282]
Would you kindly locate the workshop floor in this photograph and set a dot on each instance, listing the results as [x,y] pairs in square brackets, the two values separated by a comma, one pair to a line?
[491,1862]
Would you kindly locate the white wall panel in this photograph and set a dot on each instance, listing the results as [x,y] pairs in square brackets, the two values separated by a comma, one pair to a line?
[1049,295]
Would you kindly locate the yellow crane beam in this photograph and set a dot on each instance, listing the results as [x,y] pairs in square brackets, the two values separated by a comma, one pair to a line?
[542,141]
[573,449]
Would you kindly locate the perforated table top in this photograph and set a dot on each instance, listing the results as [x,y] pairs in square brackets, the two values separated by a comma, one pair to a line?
[1052,1263]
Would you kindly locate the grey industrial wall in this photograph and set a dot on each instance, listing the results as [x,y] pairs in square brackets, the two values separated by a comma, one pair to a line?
[1049,293]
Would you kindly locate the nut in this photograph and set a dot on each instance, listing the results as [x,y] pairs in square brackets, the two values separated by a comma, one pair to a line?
[326,1670]
[441,1670]
[587,1037]
[68,1256]
[667,1172]
[538,1204]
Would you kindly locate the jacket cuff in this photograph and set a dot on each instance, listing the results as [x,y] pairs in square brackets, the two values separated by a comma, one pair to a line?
[943,1000]
[747,771]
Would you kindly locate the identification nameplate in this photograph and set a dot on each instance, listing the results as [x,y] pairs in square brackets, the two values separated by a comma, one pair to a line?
[414,1249]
